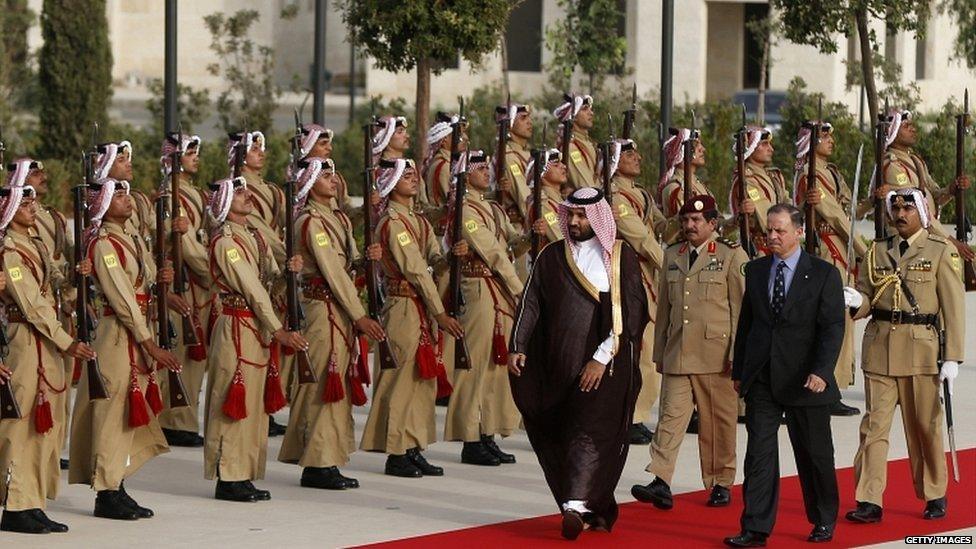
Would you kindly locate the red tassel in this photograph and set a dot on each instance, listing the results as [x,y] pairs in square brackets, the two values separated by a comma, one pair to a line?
[76,372]
[499,349]
[333,384]
[43,420]
[138,414]
[362,362]
[274,396]
[235,407]
[444,388]
[426,358]
[357,395]
[153,397]
[360,282]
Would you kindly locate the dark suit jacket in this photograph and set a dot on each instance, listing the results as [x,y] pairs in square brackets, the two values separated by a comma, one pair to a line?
[805,339]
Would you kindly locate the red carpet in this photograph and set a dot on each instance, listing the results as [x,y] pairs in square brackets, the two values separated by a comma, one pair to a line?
[692,524]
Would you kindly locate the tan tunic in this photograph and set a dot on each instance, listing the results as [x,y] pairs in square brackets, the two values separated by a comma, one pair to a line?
[28,459]
[105,450]
[482,400]
[903,168]
[765,186]
[516,160]
[550,212]
[268,213]
[401,416]
[322,434]
[582,161]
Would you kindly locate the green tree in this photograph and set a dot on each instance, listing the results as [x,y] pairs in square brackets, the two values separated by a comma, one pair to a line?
[16,77]
[587,38]
[192,105]
[964,12]
[424,35]
[75,74]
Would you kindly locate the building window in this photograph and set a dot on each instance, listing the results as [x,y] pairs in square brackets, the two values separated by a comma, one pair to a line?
[523,37]
[752,60]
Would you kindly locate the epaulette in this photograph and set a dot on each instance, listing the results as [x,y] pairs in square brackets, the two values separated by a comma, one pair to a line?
[392,214]
[102,232]
[773,169]
[8,243]
[225,230]
[890,156]
[937,238]
[676,243]
[885,239]
[730,243]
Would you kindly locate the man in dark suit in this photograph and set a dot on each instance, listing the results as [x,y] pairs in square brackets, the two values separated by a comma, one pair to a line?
[790,331]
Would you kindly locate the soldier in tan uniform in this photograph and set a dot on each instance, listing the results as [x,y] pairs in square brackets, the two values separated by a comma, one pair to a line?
[831,200]
[513,183]
[911,286]
[391,140]
[698,308]
[181,424]
[115,160]
[554,176]
[401,418]
[437,165]
[320,433]
[113,438]
[317,143]
[765,186]
[481,405]
[243,369]
[30,445]
[634,211]
[582,159]
[905,169]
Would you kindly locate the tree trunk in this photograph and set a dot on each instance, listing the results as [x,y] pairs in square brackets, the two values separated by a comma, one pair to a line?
[867,62]
[422,113]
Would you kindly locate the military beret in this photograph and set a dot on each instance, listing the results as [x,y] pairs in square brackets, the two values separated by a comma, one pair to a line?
[701,203]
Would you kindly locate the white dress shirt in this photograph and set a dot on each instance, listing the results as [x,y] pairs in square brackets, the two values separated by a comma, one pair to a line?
[589,260]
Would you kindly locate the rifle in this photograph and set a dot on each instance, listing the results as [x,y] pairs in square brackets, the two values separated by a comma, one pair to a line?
[240,153]
[740,159]
[962,222]
[810,214]
[880,134]
[568,130]
[539,157]
[294,309]
[96,384]
[855,191]
[374,295]
[947,404]
[8,403]
[176,241]
[689,154]
[630,114]
[164,328]
[504,198]
[462,359]
[606,150]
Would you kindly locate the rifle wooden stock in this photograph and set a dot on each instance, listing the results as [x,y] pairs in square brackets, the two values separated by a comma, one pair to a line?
[505,198]
[567,138]
[96,384]
[810,214]
[962,221]
[629,116]
[462,359]
[303,365]
[607,186]
[744,230]
[539,157]
[164,329]
[9,409]
[189,326]
[880,229]
[689,152]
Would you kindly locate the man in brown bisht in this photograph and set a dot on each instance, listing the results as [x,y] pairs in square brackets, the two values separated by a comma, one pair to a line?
[112,438]
[244,372]
[181,425]
[30,444]
[582,159]
[574,358]
[320,433]
[401,418]
[481,405]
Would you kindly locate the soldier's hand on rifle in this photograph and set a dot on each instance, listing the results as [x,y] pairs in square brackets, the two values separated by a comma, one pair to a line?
[964,250]
[505,185]
[948,373]
[516,361]
[460,249]
[176,303]
[295,264]
[5,373]
[81,351]
[450,325]
[163,358]
[747,207]
[374,252]
[181,224]
[374,199]
[371,328]
[961,182]
[813,197]
[84,268]
[882,191]
[165,275]
[539,227]
[291,339]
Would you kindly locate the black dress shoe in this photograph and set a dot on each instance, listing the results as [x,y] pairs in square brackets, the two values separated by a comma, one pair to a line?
[865,513]
[747,539]
[275,429]
[350,482]
[22,522]
[326,478]
[572,524]
[657,493]
[840,409]
[143,512]
[420,462]
[934,509]
[185,439]
[693,424]
[63,464]
[401,466]
[234,491]
[53,526]
[720,497]
[821,534]
[640,435]
[261,495]
[476,453]
[489,441]
[110,504]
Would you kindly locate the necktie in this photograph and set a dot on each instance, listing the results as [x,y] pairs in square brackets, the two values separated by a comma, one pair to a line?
[902,247]
[692,258]
[779,289]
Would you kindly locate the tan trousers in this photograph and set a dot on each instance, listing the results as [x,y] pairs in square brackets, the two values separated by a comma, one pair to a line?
[650,379]
[715,397]
[921,414]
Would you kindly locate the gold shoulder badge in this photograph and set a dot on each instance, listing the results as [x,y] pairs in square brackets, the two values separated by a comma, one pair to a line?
[110,260]
[471,226]
[322,239]
[753,194]
[403,238]
[16,274]
[551,218]
[742,269]
[515,169]
[233,255]
[576,156]
[954,259]
[623,210]
[901,179]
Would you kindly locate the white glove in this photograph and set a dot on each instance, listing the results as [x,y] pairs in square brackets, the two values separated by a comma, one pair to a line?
[948,373]
[852,298]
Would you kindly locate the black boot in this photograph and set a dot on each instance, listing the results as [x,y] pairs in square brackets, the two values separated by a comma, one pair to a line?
[640,434]
[489,442]
[476,453]
[261,495]
[866,513]
[840,409]
[275,429]
[401,466]
[935,509]
[421,463]
[720,497]
[22,522]
[63,464]
[110,504]
[326,478]
[127,499]
[350,482]
[55,527]
[234,491]
[693,424]
[185,439]
[657,493]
